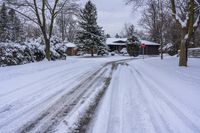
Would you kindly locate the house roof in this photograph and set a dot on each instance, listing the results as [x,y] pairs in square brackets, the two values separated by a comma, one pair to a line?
[70,45]
[149,43]
[122,41]
[116,41]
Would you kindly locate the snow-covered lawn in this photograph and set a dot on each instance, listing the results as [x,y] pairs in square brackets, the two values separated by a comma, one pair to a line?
[151,96]
[147,95]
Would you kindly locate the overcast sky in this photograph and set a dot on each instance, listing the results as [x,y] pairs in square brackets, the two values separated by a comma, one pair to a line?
[112,14]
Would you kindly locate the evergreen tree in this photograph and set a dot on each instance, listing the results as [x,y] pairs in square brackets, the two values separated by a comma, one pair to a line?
[108,36]
[90,37]
[133,44]
[3,23]
[117,36]
[101,41]
[15,27]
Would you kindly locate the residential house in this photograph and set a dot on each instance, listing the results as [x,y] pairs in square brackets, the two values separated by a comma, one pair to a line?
[151,48]
[117,44]
[71,49]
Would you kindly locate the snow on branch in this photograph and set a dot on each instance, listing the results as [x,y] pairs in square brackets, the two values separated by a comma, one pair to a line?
[182,23]
[197,2]
[197,21]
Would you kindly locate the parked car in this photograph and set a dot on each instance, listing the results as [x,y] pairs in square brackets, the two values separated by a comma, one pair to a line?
[112,53]
[124,51]
[80,53]
[102,52]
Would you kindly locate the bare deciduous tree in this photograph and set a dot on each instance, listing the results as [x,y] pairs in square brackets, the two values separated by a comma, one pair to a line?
[150,21]
[153,21]
[67,21]
[128,30]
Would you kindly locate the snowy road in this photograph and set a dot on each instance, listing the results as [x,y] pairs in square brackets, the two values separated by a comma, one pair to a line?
[141,96]
[150,96]
[35,97]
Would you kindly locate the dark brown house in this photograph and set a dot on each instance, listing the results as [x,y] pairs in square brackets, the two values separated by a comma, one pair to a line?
[151,48]
[117,44]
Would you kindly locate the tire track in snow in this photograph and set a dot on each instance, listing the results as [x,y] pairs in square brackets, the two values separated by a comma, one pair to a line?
[86,119]
[40,88]
[23,110]
[51,84]
[161,104]
[43,103]
[158,123]
[10,119]
[52,116]
[113,106]
[45,79]
[122,110]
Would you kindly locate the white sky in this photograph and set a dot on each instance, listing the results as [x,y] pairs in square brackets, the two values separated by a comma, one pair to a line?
[112,14]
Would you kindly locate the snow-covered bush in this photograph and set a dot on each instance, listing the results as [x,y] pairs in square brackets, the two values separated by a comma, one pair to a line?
[14,54]
[170,49]
[30,51]
[58,49]
[36,50]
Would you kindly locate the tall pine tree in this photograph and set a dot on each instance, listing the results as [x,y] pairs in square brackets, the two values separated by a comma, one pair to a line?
[90,37]
[3,23]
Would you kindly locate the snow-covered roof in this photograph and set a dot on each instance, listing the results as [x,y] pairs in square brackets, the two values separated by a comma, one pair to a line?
[70,45]
[149,43]
[116,41]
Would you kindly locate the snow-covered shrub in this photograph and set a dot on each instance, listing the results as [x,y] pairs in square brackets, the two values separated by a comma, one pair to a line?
[55,40]
[61,49]
[170,49]
[30,51]
[36,51]
[58,49]
[14,54]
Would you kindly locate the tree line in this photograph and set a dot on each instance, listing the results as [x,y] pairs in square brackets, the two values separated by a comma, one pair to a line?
[63,18]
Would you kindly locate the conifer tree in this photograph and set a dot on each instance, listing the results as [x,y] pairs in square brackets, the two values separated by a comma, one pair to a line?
[117,36]
[15,27]
[108,36]
[90,37]
[133,46]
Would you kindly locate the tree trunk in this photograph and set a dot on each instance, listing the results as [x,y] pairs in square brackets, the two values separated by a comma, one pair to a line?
[183,56]
[92,52]
[183,47]
[47,49]
[161,49]
[63,26]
